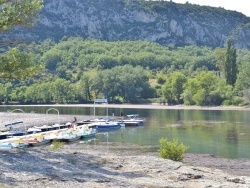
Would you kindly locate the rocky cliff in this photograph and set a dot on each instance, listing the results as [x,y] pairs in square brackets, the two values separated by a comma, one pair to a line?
[164,22]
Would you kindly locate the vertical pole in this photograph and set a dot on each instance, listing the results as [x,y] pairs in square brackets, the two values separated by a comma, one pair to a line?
[94,109]
[107,109]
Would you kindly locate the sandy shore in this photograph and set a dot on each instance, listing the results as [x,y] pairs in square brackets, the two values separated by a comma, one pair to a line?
[148,106]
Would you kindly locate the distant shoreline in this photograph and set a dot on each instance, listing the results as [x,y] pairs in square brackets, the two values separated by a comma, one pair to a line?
[142,106]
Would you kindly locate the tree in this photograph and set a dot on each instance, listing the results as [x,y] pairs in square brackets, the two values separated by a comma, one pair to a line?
[205,89]
[124,82]
[243,80]
[18,13]
[174,86]
[220,54]
[15,64]
[230,64]
[84,88]
[62,91]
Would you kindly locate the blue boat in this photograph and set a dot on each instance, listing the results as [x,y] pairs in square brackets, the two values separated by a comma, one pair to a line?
[105,126]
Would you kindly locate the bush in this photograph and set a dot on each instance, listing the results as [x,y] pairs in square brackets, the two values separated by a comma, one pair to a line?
[56,145]
[238,101]
[171,149]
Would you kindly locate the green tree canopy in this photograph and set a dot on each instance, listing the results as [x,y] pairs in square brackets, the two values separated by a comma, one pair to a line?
[18,13]
[15,64]
[174,86]
[205,89]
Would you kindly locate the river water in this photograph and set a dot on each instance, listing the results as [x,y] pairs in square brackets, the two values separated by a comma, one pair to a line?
[223,133]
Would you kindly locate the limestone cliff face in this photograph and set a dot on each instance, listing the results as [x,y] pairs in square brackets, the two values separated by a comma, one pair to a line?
[166,23]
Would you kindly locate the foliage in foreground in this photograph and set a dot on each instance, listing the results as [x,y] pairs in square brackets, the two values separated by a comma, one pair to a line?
[172,149]
[56,145]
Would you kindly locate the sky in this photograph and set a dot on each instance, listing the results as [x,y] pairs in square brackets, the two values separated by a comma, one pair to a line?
[237,5]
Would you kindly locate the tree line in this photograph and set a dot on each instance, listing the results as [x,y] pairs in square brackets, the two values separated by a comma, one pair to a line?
[77,70]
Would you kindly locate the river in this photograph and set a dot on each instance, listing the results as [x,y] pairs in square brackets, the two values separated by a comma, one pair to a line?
[224,133]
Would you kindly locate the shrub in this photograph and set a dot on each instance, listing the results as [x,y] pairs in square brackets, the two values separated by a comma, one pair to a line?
[238,101]
[171,149]
[56,145]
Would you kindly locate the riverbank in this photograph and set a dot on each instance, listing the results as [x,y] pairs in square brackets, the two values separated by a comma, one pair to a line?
[105,165]
[144,106]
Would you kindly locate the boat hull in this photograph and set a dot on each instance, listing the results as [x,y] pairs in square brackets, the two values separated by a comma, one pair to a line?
[39,143]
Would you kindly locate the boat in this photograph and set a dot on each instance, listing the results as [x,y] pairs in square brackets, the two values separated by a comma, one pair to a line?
[59,126]
[87,140]
[14,123]
[67,137]
[86,132]
[37,141]
[83,122]
[4,135]
[46,128]
[64,136]
[6,146]
[12,133]
[104,126]
[132,120]
[33,130]
[19,144]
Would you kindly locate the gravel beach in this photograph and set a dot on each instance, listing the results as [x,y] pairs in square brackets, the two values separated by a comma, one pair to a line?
[103,165]
[96,164]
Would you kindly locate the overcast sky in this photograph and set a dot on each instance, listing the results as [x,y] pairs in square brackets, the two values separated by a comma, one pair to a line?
[242,6]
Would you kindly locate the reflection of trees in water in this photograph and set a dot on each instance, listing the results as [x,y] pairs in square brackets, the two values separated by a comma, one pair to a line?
[197,123]
[232,135]
[232,139]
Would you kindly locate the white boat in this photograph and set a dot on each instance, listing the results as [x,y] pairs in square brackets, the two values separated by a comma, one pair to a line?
[132,120]
[46,128]
[67,137]
[59,126]
[33,130]
[86,132]
[64,136]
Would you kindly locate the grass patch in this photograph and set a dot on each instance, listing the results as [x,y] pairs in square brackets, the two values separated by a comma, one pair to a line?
[56,145]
